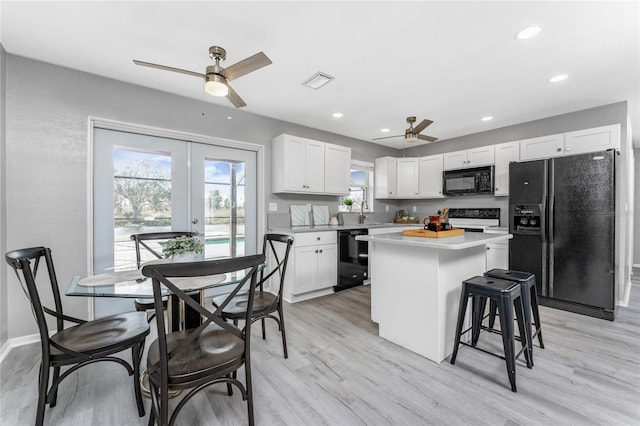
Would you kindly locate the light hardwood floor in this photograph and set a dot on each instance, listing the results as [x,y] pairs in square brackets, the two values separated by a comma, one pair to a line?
[339,372]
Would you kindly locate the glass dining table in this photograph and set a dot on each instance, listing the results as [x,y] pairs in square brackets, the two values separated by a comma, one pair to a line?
[130,283]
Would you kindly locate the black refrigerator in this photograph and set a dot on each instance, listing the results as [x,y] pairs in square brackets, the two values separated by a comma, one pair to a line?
[561,215]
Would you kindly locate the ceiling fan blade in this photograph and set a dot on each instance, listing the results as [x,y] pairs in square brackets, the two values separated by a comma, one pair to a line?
[166,68]
[246,66]
[235,99]
[427,138]
[387,137]
[423,125]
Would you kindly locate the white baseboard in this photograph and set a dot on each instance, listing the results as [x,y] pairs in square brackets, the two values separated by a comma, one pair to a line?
[17,341]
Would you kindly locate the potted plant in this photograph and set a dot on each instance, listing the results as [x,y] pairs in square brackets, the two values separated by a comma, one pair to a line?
[348,202]
[182,249]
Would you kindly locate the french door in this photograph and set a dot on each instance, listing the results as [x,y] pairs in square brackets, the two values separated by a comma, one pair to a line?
[148,183]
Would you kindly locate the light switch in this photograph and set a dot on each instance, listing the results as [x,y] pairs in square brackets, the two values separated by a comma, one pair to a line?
[415,209]
[273,207]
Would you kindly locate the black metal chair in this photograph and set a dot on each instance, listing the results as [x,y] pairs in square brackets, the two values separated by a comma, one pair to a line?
[199,357]
[142,240]
[276,248]
[79,345]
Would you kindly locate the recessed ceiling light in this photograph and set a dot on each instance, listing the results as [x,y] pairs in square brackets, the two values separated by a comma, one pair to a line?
[558,78]
[528,32]
[487,118]
[229,117]
[385,130]
[338,115]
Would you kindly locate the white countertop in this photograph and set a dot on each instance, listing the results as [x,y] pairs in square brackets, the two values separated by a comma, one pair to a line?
[322,228]
[469,239]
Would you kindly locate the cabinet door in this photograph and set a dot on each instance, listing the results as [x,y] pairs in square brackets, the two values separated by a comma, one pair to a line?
[294,164]
[591,140]
[505,153]
[337,171]
[455,160]
[430,176]
[327,266]
[314,160]
[497,256]
[482,156]
[543,147]
[306,269]
[385,177]
[407,181]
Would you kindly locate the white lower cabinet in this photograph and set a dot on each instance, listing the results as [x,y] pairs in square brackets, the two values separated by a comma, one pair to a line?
[497,253]
[313,265]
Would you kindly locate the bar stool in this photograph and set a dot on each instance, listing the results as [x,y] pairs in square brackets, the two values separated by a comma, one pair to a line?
[507,296]
[527,282]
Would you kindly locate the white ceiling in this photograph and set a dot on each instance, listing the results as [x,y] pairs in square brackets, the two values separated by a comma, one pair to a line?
[451,62]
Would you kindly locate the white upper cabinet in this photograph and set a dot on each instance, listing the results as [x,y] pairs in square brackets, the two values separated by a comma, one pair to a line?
[337,174]
[591,140]
[505,153]
[542,147]
[385,177]
[572,143]
[407,177]
[455,160]
[474,157]
[306,166]
[430,176]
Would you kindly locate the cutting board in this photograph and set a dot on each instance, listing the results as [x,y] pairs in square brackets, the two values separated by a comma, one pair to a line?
[425,233]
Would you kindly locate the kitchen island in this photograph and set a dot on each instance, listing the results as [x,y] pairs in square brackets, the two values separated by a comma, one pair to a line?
[416,284]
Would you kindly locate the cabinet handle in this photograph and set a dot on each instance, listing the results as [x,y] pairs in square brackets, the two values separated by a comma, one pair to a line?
[559,149]
[318,238]
[496,188]
[320,251]
[316,251]
[488,248]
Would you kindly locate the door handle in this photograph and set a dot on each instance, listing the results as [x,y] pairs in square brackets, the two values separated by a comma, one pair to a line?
[194,221]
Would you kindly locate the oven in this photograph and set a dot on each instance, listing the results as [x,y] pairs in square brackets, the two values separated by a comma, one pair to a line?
[353,259]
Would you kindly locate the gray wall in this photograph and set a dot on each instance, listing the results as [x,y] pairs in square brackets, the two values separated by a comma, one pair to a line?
[3,198]
[636,211]
[46,143]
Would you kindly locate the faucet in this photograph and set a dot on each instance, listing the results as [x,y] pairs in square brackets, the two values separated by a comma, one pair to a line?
[363,206]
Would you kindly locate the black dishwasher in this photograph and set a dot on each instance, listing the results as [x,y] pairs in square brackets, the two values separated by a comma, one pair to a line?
[353,259]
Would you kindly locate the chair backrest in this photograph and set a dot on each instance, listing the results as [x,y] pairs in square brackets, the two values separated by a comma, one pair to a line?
[162,275]
[276,248]
[143,239]
[25,263]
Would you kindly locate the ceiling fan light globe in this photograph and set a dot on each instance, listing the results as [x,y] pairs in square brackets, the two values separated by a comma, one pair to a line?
[216,85]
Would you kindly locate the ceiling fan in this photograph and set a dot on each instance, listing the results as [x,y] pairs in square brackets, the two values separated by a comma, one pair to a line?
[412,134]
[215,77]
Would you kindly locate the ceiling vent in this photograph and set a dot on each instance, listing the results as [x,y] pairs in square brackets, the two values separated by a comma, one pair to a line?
[318,80]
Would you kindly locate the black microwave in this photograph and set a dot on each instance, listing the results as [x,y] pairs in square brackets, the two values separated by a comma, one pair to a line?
[477,180]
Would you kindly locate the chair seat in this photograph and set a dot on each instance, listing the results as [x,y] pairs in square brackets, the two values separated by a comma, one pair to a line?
[147,304]
[263,301]
[215,351]
[101,336]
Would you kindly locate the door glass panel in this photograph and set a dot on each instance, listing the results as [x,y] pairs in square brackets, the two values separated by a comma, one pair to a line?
[225,212]
[141,200]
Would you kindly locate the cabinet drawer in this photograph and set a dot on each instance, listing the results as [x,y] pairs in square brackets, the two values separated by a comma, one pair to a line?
[302,239]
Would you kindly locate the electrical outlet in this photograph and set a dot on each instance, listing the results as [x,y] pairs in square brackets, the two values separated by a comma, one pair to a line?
[273,207]
[386,208]
[415,209]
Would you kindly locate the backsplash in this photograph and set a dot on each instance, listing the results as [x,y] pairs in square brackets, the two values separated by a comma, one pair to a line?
[430,207]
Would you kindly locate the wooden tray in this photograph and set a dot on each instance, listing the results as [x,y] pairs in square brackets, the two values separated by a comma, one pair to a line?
[425,233]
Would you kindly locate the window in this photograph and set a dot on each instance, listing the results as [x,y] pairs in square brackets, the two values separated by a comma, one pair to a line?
[360,185]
